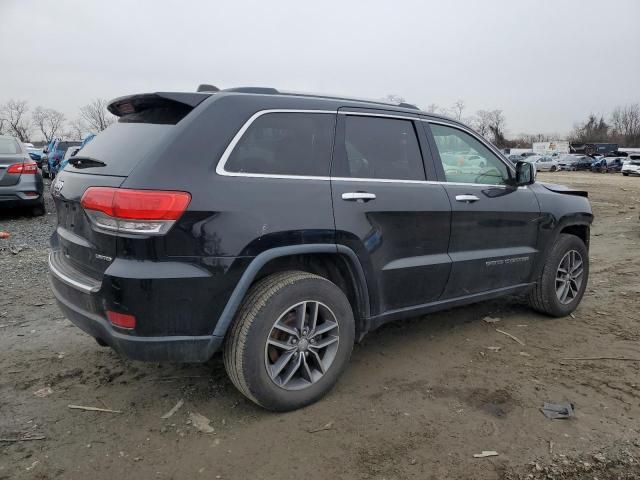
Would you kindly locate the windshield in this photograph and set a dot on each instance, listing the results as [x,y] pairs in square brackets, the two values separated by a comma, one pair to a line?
[8,146]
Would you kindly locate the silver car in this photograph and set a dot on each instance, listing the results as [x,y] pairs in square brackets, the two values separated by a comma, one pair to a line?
[21,182]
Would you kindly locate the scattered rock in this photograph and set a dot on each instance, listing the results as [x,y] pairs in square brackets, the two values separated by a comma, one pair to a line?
[200,422]
[43,392]
[491,319]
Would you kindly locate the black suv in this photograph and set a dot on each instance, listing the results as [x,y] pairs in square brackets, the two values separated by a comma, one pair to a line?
[281,228]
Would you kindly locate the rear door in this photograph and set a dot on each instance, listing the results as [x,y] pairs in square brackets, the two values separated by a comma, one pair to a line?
[385,209]
[494,226]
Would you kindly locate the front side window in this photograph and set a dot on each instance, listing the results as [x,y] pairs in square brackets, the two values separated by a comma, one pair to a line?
[382,148]
[466,160]
[285,144]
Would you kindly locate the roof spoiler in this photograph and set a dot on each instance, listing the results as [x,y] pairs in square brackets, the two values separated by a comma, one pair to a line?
[136,103]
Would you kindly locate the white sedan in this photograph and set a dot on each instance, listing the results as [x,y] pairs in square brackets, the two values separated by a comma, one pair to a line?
[543,163]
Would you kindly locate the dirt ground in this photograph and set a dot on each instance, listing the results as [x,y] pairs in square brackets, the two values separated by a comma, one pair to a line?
[418,400]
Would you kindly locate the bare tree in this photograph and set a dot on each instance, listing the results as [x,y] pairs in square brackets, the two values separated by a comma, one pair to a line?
[76,130]
[625,124]
[481,122]
[2,124]
[96,115]
[457,109]
[496,126]
[49,121]
[15,115]
[433,108]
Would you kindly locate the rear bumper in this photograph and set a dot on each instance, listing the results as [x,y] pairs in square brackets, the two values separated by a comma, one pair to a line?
[83,306]
[21,194]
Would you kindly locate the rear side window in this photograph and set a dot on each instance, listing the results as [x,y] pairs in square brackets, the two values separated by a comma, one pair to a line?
[285,144]
[380,148]
[9,146]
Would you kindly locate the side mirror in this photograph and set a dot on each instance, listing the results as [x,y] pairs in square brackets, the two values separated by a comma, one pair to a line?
[525,174]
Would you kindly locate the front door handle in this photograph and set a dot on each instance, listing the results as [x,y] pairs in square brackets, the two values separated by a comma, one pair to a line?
[466,198]
[358,196]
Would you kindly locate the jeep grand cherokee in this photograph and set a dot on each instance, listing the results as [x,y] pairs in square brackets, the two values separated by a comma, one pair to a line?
[282,227]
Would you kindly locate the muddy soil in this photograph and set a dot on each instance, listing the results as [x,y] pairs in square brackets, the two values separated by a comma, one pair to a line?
[418,400]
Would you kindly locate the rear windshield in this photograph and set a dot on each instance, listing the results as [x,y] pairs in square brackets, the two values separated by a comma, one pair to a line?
[122,146]
[8,146]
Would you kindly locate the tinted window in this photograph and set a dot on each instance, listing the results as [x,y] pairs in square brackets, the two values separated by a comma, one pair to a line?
[377,147]
[285,144]
[123,145]
[467,160]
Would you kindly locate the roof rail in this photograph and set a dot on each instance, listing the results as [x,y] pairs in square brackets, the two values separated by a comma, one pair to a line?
[261,90]
[408,105]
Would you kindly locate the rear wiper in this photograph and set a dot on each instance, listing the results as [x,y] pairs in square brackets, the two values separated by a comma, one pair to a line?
[86,162]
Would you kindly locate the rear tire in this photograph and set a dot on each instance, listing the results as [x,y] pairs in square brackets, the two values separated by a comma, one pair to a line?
[553,168]
[555,293]
[273,362]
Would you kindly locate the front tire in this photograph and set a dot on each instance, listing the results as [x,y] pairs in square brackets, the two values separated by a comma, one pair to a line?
[290,341]
[563,280]
[625,174]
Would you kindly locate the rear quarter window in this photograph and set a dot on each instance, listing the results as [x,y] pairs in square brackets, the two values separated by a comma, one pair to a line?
[285,143]
[122,146]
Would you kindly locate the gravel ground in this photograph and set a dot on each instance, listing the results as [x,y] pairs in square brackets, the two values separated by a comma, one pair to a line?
[419,399]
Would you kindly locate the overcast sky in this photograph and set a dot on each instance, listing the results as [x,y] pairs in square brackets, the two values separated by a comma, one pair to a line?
[546,64]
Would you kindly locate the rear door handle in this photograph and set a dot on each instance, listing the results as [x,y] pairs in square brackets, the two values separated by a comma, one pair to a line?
[466,198]
[358,196]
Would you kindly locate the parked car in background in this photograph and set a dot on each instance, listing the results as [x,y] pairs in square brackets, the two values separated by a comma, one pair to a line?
[543,163]
[71,151]
[608,165]
[21,183]
[34,153]
[575,162]
[350,223]
[55,154]
[631,166]
[514,158]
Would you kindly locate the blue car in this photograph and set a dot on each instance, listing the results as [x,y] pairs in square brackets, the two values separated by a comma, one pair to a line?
[54,154]
[71,151]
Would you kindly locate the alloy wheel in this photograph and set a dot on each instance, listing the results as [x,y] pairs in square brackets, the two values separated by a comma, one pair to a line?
[302,345]
[569,277]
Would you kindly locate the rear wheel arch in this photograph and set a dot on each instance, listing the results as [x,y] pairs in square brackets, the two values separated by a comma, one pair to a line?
[337,264]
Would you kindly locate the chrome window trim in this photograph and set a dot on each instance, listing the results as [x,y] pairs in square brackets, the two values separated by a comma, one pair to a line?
[383,115]
[220,168]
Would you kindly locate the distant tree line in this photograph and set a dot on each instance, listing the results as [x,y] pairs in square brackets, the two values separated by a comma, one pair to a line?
[17,119]
[622,126]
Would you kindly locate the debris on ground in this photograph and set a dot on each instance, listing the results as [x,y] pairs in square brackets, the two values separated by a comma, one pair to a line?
[43,392]
[558,410]
[93,409]
[5,234]
[25,438]
[486,453]
[327,426]
[200,422]
[512,337]
[175,408]
[491,319]
[494,349]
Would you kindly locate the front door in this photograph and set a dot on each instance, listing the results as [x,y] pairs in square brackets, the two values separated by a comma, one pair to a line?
[494,226]
[386,211]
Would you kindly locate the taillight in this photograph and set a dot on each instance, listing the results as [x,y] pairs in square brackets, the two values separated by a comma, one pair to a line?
[27,168]
[148,212]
